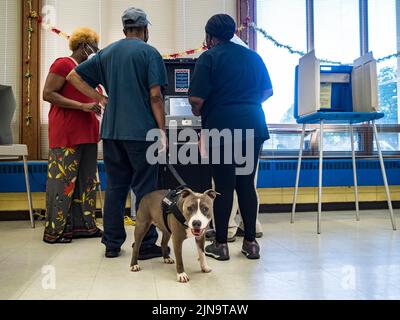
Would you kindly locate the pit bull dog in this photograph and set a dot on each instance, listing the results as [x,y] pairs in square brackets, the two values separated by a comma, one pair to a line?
[193,212]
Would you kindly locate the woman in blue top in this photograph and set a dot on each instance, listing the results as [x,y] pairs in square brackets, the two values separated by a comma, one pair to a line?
[229,85]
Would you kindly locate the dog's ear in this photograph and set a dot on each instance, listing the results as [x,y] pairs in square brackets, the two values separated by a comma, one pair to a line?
[212,194]
[185,192]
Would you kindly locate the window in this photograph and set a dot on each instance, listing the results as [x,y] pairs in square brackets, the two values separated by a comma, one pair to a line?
[383,41]
[10,54]
[285,20]
[336,38]
[337,35]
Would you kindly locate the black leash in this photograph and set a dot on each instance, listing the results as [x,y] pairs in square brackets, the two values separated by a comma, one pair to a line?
[176,175]
[170,201]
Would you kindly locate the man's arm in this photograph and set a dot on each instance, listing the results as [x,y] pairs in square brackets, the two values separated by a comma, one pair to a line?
[75,79]
[54,84]
[157,106]
[196,103]
[158,109]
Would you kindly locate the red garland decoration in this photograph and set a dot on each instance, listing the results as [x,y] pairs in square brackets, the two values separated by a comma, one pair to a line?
[56,31]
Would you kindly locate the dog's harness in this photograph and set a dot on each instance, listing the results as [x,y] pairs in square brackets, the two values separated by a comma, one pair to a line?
[170,206]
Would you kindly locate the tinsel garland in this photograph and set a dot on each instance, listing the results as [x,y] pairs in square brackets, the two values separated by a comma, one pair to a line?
[28,75]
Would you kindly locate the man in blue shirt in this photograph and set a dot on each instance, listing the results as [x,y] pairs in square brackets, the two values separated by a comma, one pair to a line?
[133,74]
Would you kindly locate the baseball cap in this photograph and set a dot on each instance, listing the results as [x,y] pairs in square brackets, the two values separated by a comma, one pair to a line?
[133,18]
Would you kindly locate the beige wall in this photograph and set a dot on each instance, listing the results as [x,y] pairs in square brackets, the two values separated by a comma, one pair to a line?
[176,24]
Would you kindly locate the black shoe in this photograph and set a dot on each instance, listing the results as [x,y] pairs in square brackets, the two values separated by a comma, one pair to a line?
[240,233]
[218,251]
[112,253]
[151,252]
[210,236]
[251,250]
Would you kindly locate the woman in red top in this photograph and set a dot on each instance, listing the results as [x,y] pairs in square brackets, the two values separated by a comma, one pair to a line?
[73,138]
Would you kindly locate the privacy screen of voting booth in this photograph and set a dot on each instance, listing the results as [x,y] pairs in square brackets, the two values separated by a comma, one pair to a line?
[343,88]
[177,107]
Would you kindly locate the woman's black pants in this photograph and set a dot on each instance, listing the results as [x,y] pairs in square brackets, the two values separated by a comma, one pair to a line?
[227,179]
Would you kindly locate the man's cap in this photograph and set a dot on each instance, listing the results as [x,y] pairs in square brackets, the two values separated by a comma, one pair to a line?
[221,26]
[134,18]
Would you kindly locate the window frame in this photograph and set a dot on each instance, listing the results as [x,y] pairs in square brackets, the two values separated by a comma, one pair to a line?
[364,131]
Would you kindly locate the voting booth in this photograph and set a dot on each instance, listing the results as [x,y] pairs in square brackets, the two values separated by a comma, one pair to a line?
[179,116]
[342,92]
[339,94]
[177,108]
[7,109]
[7,148]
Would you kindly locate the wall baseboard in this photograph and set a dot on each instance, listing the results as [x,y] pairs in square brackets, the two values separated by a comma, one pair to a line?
[264,209]
[333,206]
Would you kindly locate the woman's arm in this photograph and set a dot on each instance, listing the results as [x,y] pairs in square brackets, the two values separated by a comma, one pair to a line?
[54,84]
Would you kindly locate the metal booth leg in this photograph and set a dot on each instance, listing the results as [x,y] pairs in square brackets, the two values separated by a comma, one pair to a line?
[28,191]
[321,158]
[353,154]
[296,189]
[384,175]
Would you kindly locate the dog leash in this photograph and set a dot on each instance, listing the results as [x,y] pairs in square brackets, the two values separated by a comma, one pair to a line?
[169,203]
[175,174]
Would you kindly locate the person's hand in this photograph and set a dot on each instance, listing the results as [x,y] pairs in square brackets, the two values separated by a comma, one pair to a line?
[103,101]
[196,112]
[91,107]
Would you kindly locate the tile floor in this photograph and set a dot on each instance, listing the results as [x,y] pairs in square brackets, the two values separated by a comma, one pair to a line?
[350,260]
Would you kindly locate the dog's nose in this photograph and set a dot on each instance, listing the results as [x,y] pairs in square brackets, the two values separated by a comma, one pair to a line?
[196,224]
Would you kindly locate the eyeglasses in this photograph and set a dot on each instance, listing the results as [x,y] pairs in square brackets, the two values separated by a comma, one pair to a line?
[93,48]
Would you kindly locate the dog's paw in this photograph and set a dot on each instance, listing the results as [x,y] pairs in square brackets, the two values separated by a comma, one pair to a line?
[183,277]
[135,268]
[169,261]
[206,269]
